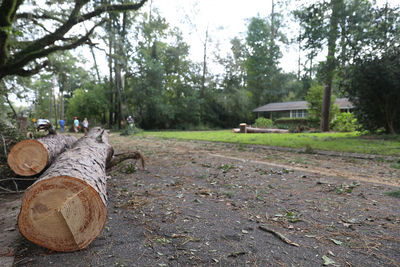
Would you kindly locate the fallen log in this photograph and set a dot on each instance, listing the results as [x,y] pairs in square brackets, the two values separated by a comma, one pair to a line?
[30,157]
[262,130]
[65,210]
[259,130]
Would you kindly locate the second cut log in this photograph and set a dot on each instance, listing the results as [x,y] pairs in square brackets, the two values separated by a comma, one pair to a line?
[30,157]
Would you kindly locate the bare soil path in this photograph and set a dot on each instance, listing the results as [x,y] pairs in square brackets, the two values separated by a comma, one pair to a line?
[214,204]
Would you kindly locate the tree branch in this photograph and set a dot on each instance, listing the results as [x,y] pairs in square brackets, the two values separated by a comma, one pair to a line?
[25,73]
[45,52]
[108,8]
[13,65]
[33,17]
[11,106]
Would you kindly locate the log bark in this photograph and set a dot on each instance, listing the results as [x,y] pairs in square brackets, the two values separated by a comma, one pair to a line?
[259,130]
[65,210]
[30,157]
[262,130]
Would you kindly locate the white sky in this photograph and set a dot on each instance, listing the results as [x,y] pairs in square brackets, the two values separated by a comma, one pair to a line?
[227,19]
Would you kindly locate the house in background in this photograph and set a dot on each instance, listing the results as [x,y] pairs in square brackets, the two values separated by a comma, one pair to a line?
[296,109]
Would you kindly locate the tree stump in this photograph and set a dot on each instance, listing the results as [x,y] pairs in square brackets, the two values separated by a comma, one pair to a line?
[243,128]
[30,157]
[65,210]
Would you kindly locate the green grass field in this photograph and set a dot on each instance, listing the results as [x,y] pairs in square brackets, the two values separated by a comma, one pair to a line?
[344,142]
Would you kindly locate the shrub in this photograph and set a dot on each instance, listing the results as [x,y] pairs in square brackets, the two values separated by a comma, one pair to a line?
[293,124]
[345,122]
[263,123]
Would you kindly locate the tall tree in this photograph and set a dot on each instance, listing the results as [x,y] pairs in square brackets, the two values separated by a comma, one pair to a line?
[262,63]
[335,6]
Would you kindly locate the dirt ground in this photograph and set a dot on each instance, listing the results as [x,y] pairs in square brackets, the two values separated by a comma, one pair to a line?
[214,204]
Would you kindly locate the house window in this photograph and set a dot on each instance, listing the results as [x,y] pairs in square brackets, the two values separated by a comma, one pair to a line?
[298,113]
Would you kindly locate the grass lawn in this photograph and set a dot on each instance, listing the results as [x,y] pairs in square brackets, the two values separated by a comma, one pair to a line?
[346,142]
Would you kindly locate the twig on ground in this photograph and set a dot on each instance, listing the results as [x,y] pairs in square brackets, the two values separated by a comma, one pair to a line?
[8,191]
[16,186]
[237,253]
[279,235]
[18,179]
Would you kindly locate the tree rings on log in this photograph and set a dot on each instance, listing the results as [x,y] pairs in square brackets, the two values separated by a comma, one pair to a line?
[62,213]
[30,157]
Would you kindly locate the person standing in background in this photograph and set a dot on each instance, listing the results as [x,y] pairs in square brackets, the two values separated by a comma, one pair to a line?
[130,121]
[85,125]
[76,124]
[62,123]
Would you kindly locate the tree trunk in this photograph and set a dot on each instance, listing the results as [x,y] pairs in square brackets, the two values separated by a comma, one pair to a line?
[110,68]
[336,6]
[65,210]
[55,112]
[30,157]
[51,99]
[203,77]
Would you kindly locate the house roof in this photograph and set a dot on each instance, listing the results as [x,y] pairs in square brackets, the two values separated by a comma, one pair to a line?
[343,103]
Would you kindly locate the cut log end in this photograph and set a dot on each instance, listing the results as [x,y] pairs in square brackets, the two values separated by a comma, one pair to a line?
[28,157]
[62,213]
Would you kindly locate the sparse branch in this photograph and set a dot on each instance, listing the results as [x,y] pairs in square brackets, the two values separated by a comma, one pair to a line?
[108,8]
[33,17]
[25,73]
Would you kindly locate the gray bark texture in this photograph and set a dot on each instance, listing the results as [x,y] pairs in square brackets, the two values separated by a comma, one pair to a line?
[86,161]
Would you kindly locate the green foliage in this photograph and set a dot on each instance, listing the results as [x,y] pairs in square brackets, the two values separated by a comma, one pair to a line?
[226,167]
[162,92]
[263,73]
[314,103]
[129,168]
[346,188]
[90,102]
[262,122]
[374,88]
[345,122]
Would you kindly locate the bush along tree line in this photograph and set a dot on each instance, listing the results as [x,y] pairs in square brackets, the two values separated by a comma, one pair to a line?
[151,76]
